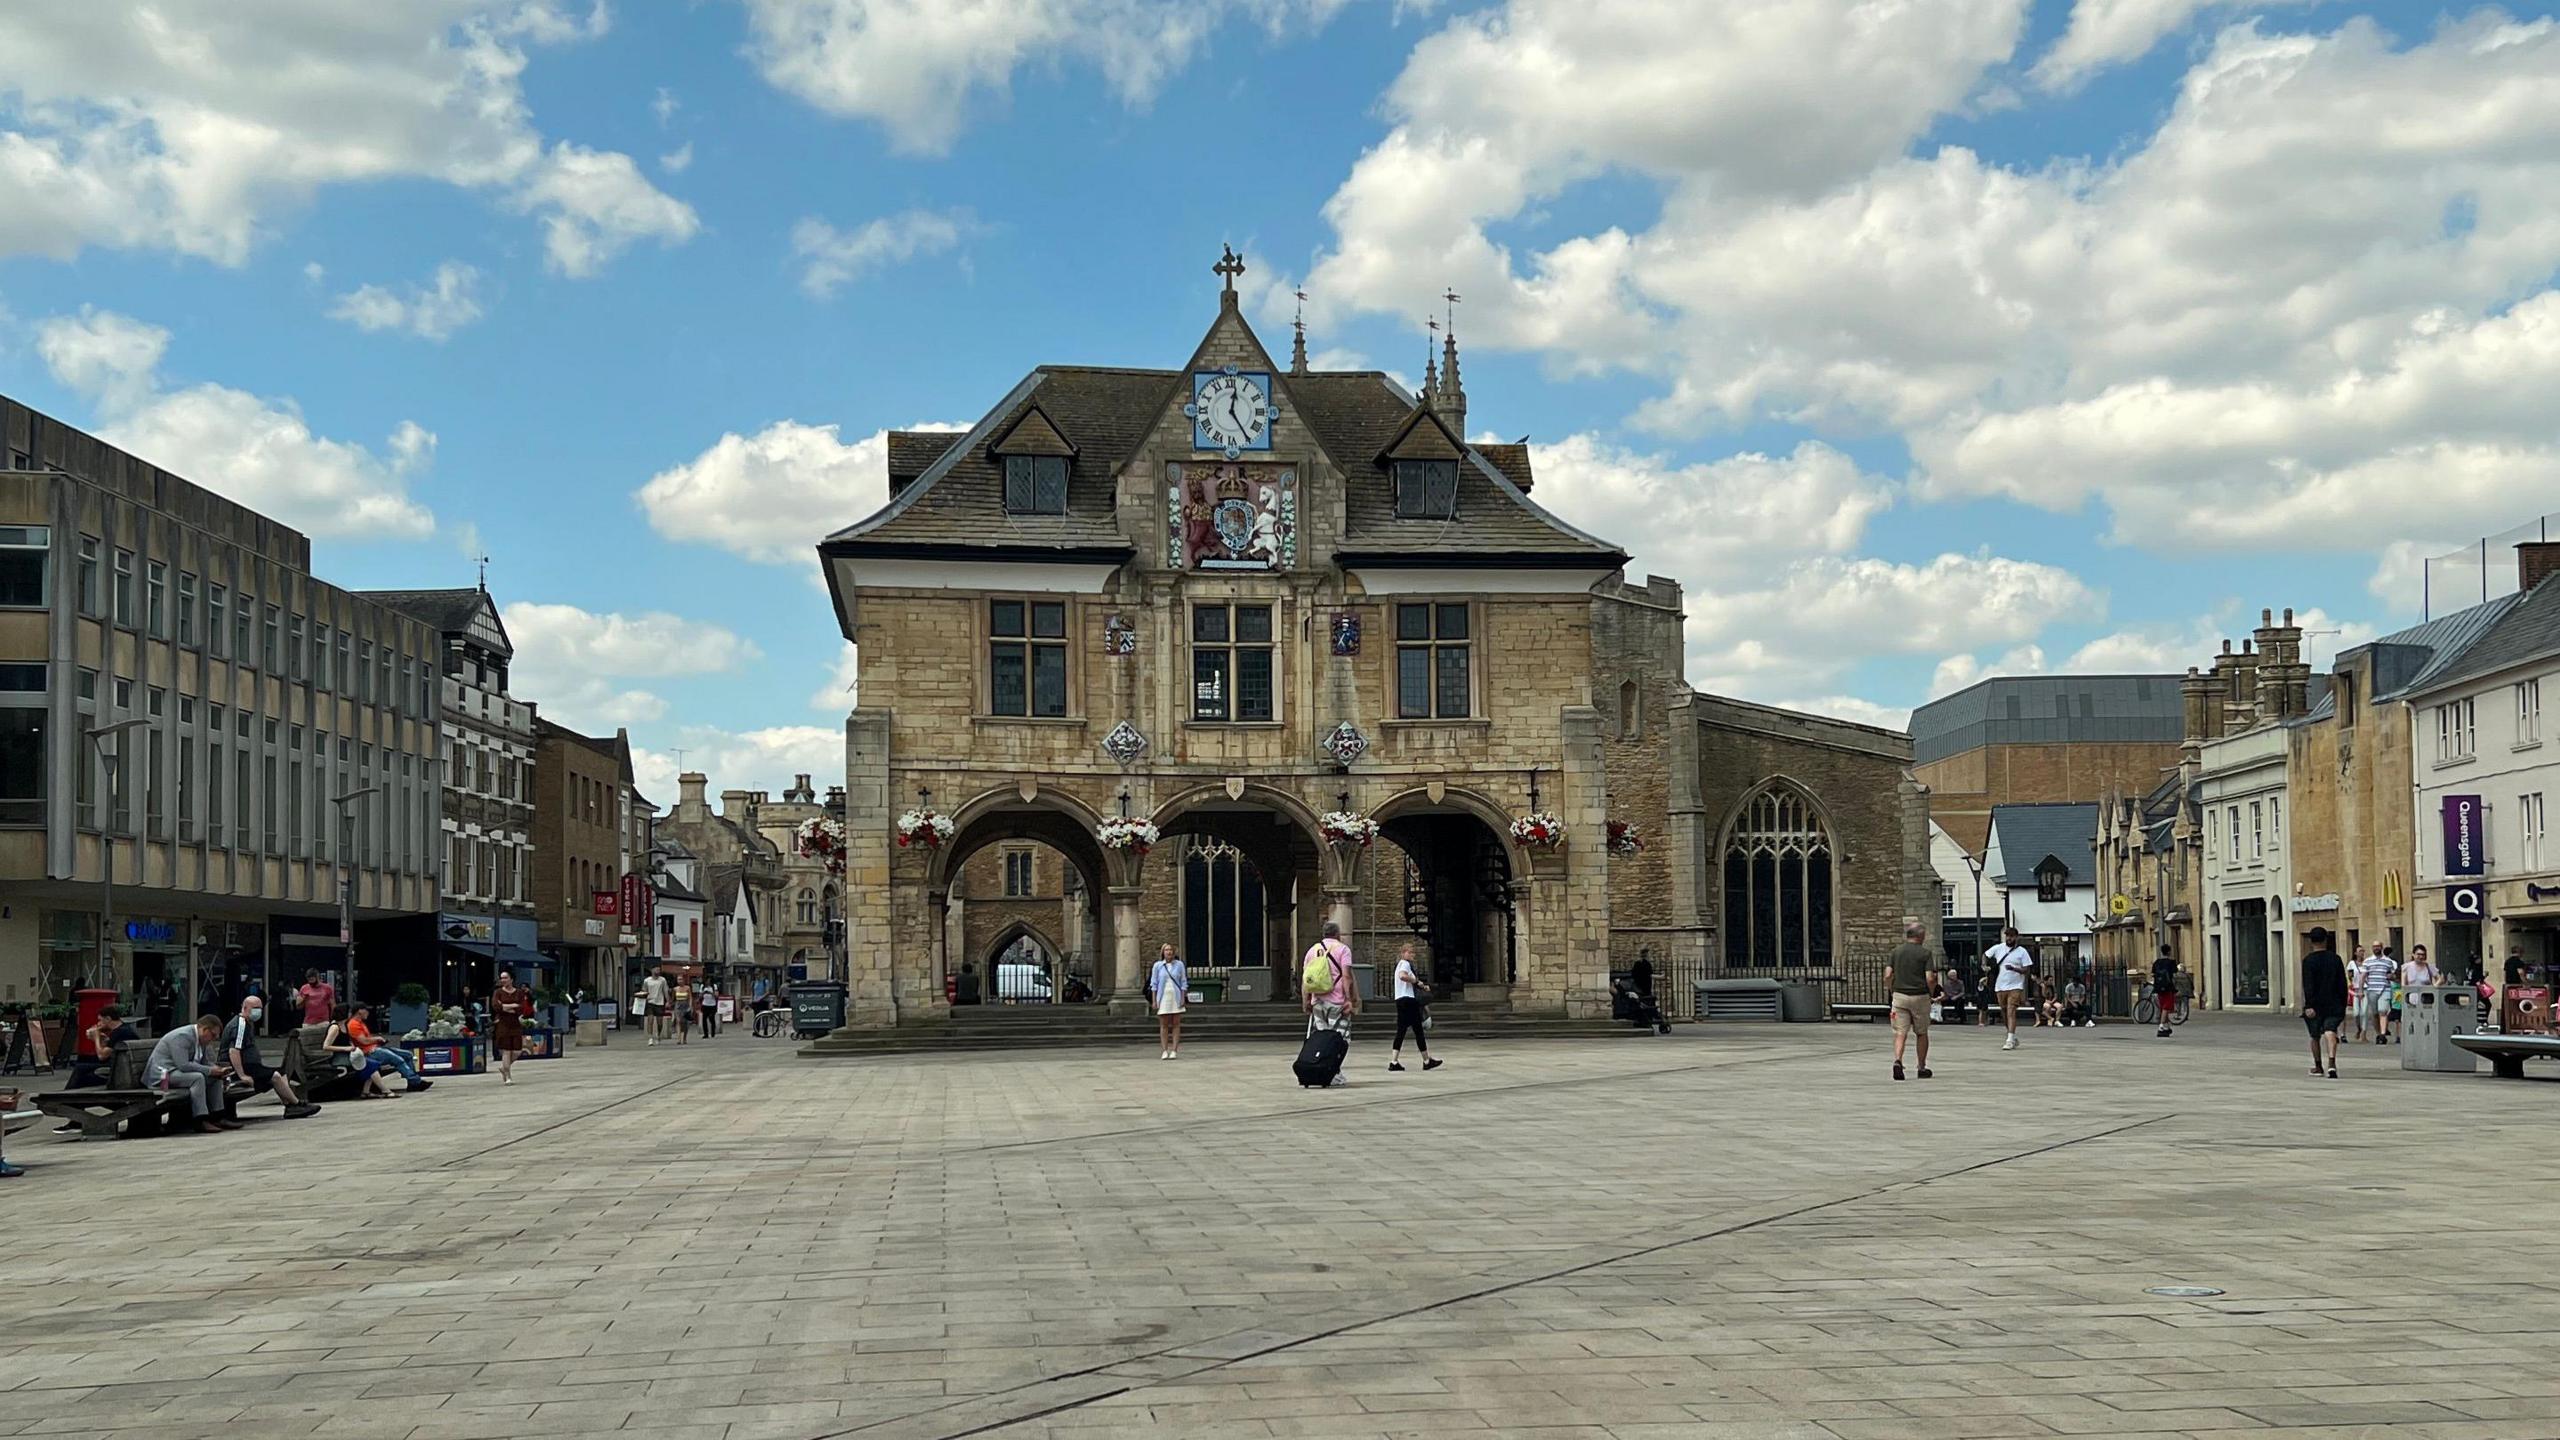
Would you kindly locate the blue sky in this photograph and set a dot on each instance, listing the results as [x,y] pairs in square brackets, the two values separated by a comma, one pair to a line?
[1920,341]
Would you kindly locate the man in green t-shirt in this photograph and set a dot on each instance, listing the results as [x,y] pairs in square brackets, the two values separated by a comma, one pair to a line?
[1906,975]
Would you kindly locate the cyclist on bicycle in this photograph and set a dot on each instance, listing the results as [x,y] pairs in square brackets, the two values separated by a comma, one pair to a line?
[2164,986]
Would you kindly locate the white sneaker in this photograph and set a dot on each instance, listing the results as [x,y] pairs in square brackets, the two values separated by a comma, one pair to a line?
[1167,1055]
[2009,1044]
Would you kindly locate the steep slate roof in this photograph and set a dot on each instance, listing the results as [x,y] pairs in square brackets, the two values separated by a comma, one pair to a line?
[2408,659]
[955,502]
[2028,833]
[449,611]
[2526,630]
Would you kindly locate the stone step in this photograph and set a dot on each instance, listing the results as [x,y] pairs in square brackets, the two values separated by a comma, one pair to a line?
[1139,1032]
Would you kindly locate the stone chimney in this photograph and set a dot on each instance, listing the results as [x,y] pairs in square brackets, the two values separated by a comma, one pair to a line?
[800,792]
[689,790]
[2202,697]
[2536,561]
[738,805]
[2284,682]
[2238,672]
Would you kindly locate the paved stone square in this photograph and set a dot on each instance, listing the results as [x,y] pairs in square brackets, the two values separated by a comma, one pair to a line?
[1736,1232]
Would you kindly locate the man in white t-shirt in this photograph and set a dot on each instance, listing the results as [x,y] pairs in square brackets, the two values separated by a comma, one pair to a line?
[2011,963]
[658,998]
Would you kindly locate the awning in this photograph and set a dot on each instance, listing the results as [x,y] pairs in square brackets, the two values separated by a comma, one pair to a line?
[518,955]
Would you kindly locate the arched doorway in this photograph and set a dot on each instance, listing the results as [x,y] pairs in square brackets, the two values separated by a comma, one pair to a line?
[1450,876]
[1236,886]
[1019,867]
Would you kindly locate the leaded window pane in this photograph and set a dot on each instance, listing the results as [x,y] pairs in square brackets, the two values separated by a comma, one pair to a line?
[1008,682]
[1453,682]
[1413,682]
[1048,680]
[1253,684]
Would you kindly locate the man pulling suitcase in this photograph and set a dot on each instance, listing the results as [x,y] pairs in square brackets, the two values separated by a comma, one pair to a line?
[1330,997]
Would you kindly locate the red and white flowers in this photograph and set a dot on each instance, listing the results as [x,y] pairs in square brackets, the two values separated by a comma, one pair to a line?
[1135,836]
[1623,839]
[821,837]
[1347,827]
[1540,828]
[928,828]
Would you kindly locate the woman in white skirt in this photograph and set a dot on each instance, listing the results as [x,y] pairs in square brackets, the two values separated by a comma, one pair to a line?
[1169,986]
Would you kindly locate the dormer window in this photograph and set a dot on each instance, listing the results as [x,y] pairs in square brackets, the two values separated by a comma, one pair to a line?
[1035,484]
[1426,489]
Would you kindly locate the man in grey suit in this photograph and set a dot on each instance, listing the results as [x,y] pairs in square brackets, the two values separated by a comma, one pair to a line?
[184,1060]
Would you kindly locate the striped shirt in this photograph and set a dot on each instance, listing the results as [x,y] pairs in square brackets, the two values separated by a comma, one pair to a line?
[2379,974]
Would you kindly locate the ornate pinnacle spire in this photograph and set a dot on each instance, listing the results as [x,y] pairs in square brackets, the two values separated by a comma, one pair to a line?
[1431,365]
[1453,393]
[1298,346]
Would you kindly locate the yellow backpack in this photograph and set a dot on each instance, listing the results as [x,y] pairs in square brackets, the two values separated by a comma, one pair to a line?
[1317,976]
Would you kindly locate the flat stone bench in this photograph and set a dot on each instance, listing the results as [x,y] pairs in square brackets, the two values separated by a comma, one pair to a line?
[124,1105]
[2507,1053]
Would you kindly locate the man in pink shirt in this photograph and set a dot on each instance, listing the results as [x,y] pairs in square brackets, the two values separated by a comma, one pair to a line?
[319,999]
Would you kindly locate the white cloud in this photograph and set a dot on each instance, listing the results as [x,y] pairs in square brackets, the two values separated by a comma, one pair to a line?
[837,695]
[130,125]
[1957,671]
[2401,582]
[259,452]
[2312,303]
[665,106]
[1824,614]
[2105,33]
[919,68]
[2165,648]
[743,760]
[835,258]
[678,160]
[575,663]
[771,496]
[1853,709]
[432,311]
[1705,523]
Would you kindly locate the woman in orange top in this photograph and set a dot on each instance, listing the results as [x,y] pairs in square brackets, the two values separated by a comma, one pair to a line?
[379,1056]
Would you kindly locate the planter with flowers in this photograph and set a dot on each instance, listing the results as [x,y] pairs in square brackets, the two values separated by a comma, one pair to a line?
[923,828]
[1539,830]
[1130,837]
[1347,827]
[1623,838]
[821,838]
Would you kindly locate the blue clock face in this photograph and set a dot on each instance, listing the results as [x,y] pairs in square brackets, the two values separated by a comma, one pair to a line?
[1231,411]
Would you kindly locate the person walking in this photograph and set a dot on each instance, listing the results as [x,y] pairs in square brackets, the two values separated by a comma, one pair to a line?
[706,1000]
[1410,1015]
[319,999]
[2011,964]
[2325,995]
[1906,979]
[512,1003]
[2417,969]
[657,997]
[1327,990]
[1169,989]
[2164,988]
[684,1011]
[2374,979]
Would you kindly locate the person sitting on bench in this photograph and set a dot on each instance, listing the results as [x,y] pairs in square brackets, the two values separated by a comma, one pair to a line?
[377,1055]
[183,1061]
[240,1047]
[90,1072]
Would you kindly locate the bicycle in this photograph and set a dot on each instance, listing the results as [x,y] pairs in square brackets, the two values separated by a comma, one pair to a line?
[770,1023]
[2146,1011]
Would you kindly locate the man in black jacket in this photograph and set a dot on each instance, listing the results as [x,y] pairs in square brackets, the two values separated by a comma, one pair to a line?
[2324,1002]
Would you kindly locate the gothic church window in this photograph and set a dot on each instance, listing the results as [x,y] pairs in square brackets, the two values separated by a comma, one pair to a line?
[1035,484]
[1777,884]
[1222,908]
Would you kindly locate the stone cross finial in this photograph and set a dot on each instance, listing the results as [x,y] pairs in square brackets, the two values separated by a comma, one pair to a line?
[1228,267]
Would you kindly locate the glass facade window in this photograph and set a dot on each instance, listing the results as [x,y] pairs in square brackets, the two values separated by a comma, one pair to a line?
[243,621]
[155,598]
[186,608]
[26,558]
[93,600]
[217,620]
[124,587]
[271,653]
[23,751]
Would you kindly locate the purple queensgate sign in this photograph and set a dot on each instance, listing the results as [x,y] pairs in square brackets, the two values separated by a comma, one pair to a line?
[2462,837]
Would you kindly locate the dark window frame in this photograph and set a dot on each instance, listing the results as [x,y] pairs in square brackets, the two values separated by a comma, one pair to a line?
[1245,667]
[25,541]
[1426,489]
[1442,657]
[1036,484]
[1029,676]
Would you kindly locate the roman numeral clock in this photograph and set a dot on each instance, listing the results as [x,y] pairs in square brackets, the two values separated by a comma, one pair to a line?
[1230,410]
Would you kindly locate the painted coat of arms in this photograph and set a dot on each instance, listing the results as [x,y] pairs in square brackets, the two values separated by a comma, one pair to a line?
[1232,517]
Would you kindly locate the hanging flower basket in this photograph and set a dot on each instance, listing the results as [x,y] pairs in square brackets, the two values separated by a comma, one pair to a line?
[821,838]
[928,828]
[1540,828]
[1347,827]
[1135,836]
[1623,839]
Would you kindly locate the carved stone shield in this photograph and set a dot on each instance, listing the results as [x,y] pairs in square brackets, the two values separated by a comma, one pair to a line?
[1235,787]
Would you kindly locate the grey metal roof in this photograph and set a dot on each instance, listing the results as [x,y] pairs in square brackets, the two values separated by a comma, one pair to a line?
[2028,833]
[2048,710]
[2526,630]
[2407,659]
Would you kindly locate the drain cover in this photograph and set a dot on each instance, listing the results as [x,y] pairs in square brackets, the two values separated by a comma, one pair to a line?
[2183,1292]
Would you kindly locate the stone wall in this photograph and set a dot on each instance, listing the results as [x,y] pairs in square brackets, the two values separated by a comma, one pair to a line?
[2353,829]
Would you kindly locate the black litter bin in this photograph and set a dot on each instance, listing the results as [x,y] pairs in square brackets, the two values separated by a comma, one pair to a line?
[817,1007]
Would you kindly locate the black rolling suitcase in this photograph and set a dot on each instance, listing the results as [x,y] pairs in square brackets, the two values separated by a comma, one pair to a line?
[1320,1058]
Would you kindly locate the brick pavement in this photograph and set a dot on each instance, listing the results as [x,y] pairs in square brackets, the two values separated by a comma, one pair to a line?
[1739,1233]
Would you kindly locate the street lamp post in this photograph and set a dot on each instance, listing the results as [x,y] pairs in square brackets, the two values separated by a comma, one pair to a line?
[1975,863]
[347,877]
[106,977]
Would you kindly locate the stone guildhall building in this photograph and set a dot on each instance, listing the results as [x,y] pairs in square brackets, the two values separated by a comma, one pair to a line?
[1246,648]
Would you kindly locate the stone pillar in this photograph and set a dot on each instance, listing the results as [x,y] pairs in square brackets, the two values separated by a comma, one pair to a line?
[870,942]
[1342,909]
[1125,984]
[946,918]
[1577,930]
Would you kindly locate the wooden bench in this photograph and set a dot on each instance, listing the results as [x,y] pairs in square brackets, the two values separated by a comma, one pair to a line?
[315,1073]
[2507,1053]
[124,1106]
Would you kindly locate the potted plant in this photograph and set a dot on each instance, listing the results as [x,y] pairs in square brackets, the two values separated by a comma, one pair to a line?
[1624,838]
[1135,836]
[1346,827]
[924,828]
[408,1009]
[1539,829]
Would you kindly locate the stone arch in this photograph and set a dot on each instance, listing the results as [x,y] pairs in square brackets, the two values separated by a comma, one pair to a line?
[1051,817]
[1496,818]
[1802,791]
[1170,814]
[1489,929]
[1018,930]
